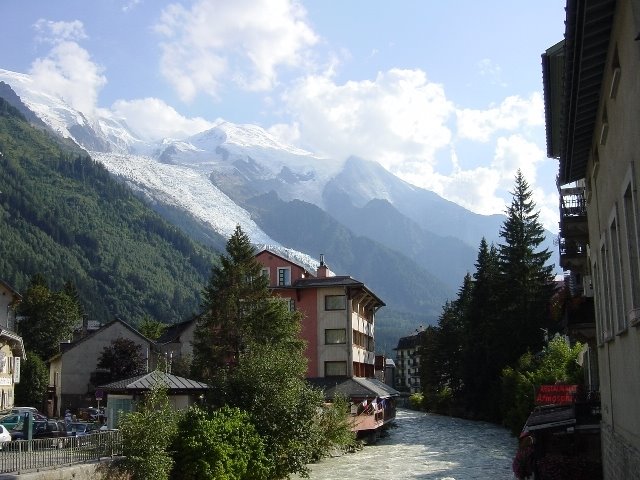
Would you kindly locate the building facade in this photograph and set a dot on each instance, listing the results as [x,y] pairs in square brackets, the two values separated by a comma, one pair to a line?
[407,375]
[9,299]
[592,102]
[338,315]
[71,370]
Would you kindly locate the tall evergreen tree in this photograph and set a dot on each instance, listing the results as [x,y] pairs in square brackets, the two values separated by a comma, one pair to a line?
[482,362]
[527,281]
[238,311]
[247,346]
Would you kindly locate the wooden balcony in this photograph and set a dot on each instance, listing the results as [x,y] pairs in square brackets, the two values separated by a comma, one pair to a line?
[574,231]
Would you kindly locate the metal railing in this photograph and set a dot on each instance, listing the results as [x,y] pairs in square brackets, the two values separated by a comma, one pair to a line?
[24,455]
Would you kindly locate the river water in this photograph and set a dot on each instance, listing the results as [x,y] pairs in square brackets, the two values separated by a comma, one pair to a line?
[427,447]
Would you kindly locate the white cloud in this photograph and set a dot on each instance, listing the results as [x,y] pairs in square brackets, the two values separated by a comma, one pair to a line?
[513,113]
[56,32]
[153,119]
[396,119]
[401,120]
[67,71]
[245,42]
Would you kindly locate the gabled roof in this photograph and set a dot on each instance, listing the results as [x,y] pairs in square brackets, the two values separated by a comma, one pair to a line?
[11,289]
[91,335]
[14,340]
[172,332]
[266,249]
[145,382]
[353,387]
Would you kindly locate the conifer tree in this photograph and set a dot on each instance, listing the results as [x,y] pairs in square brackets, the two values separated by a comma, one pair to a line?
[482,362]
[526,281]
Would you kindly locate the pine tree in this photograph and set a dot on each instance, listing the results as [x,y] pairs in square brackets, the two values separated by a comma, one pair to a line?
[482,360]
[527,282]
[247,346]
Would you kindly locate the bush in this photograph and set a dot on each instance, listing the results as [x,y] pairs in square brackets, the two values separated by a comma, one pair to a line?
[146,436]
[222,445]
[416,401]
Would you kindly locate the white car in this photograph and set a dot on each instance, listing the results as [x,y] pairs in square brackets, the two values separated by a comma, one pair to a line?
[5,436]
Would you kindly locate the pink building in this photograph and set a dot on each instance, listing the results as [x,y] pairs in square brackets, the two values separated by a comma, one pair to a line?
[338,316]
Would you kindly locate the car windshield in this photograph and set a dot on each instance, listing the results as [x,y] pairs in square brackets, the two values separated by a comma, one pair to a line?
[79,427]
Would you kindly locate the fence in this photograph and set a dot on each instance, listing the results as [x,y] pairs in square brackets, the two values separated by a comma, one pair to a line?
[23,455]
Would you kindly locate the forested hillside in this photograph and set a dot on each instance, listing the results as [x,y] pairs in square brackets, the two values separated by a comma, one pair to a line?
[62,215]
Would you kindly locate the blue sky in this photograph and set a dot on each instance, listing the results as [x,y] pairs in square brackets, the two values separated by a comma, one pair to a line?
[445,94]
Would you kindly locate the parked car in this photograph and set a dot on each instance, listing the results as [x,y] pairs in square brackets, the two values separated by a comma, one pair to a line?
[82,430]
[5,436]
[11,420]
[54,429]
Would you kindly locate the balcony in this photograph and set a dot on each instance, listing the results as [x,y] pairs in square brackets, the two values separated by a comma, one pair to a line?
[574,232]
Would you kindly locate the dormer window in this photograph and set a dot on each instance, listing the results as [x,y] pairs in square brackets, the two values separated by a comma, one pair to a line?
[284,276]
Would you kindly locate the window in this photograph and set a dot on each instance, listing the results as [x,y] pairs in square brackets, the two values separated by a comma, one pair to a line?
[633,252]
[335,335]
[265,273]
[284,276]
[292,305]
[605,294]
[335,369]
[335,302]
[615,270]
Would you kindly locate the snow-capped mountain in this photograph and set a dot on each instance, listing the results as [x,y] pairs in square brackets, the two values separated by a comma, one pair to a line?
[214,177]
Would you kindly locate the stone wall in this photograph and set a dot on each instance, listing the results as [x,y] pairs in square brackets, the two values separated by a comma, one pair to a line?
[620,460]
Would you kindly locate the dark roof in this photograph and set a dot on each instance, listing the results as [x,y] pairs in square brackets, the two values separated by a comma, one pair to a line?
[586,43]
[172,332]
[353,387]
[336,281]
[71,346]
[10,288]
[146,381]
[411,341]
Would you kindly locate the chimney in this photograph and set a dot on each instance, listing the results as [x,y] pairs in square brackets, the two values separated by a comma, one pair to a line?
[322,269]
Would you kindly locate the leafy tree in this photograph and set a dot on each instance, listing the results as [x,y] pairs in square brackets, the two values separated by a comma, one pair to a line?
[222,444]
[123,358]
[34,380]
[248,347]
[48,318]
[269,384]
[147,435]
[151,328]
[557,363]
[527,282]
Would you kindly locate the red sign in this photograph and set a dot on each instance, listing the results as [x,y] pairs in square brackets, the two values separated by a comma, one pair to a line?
[556,394]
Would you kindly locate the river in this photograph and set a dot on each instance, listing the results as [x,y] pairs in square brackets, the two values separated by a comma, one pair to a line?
[427,447]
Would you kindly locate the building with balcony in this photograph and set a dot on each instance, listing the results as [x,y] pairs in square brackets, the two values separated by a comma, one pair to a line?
[592,106]
[338,315]
[408,363]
